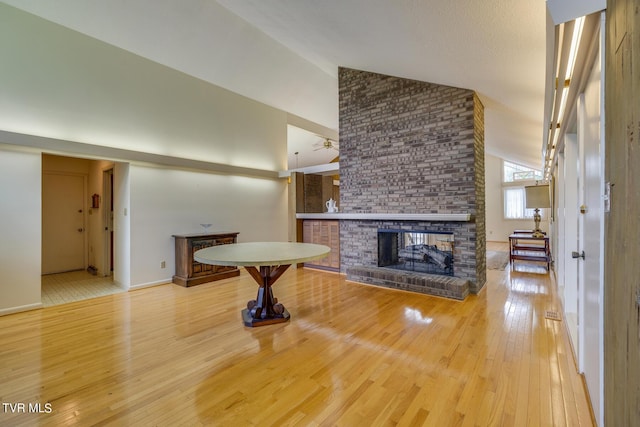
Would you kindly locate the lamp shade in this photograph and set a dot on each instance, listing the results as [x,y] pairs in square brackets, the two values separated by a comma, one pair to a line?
[537,196]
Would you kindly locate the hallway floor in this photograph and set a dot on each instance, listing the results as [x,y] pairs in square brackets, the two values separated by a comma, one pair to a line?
[62,288]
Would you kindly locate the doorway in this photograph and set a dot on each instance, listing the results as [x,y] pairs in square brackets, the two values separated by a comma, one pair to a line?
[77,229]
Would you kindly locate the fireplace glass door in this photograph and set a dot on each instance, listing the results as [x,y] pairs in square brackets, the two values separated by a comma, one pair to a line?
[419,251]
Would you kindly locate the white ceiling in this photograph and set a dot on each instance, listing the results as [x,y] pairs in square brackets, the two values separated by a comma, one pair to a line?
[286,53]
[567,10]
[308,149]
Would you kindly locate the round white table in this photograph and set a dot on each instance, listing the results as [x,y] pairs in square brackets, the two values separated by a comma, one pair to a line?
[273,259]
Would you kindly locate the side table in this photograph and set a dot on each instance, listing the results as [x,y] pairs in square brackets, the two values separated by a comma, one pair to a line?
[526,247]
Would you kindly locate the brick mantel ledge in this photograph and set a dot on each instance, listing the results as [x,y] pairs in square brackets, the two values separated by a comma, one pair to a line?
[387,216]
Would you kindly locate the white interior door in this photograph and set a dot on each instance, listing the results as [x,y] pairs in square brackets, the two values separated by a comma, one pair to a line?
[591,127]
[63,223]
[570,236]
[558,244]
[578,250]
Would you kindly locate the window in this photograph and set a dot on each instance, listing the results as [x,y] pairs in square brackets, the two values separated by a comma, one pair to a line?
[514,173]
[514,179]
[514,204]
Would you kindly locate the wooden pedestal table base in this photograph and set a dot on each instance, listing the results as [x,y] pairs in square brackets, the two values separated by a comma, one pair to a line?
[265,309]
[265,262]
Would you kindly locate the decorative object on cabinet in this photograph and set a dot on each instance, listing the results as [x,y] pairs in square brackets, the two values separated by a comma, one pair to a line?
[190,272]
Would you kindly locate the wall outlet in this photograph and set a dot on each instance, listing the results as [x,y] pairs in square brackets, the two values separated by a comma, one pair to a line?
[163,264]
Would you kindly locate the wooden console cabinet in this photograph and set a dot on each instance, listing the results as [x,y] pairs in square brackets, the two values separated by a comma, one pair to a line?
[190,272]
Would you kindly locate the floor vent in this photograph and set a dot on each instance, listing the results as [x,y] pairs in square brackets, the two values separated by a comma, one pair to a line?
[552,315]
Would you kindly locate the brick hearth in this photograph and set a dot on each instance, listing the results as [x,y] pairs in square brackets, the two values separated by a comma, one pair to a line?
[432,284]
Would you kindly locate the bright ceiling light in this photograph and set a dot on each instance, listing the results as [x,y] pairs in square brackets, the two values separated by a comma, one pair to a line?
[575,43]
[562,90]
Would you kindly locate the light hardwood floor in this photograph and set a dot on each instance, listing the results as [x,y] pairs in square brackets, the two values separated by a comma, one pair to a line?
[352,355]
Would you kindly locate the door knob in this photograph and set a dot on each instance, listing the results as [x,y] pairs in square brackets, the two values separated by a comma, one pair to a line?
[575,254]
[80,230]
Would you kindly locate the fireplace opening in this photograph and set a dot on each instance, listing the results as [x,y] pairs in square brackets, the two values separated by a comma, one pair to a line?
[420,251]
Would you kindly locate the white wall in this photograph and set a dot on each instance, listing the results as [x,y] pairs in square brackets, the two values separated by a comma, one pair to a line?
[61,84]
[167,202]
[499,228]
[122,225]
[21,230]
[204,50]
[57,83]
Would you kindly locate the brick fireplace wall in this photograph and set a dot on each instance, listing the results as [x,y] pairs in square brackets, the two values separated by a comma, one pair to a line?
[408,146]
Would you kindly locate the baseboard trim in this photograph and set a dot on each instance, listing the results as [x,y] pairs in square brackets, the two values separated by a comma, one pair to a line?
[21,308]
[150,284]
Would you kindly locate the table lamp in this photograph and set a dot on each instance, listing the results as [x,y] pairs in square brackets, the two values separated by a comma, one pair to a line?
[537,197]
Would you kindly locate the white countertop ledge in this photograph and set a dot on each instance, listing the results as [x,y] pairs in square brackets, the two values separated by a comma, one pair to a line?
[386,216]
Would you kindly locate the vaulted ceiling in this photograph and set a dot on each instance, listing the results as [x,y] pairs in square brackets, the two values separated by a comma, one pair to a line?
[286,53]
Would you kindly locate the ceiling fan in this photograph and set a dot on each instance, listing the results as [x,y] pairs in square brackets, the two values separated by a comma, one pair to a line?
[327,144]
